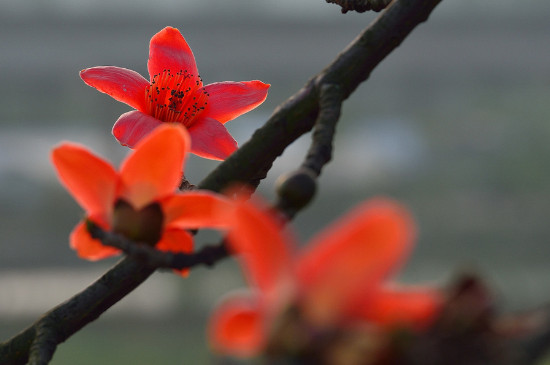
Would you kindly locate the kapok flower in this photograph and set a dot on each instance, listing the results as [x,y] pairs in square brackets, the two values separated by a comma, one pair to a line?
[175,93]
[139,200]
[338,281]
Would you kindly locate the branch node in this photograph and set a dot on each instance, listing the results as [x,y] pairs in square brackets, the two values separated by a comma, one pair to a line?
[361,6]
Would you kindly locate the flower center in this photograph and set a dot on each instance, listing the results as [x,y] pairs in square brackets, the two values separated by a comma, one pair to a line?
[177,97]
[143,226]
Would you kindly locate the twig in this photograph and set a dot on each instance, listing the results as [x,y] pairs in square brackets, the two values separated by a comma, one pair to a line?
[154,258]
[296,189]
[320,151]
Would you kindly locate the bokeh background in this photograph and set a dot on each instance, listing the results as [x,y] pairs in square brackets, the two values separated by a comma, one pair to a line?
[454,123]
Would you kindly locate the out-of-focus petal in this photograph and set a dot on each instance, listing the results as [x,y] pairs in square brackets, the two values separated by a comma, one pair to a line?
[155,168]
[228,100]
[87,247]
[168,50]
[210,139]
[120,83]
[131,127]
[237,327]
[91,180]
[263,249]
[355,254]
[414,307]
[176,241]
[197,210]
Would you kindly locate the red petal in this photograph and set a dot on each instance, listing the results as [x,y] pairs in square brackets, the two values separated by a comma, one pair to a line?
[154,169]
[355,254]
[131,127]
[168,50]
[197,210]
[91,180]
[263,250]
[122,84]
[389,307]
[237,327]
[87,247]
[210,139]
[228,100]
[176,241]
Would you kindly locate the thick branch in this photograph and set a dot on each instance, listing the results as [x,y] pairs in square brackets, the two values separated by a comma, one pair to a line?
[251,162]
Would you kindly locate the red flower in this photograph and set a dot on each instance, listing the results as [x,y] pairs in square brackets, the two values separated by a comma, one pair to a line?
[340,278]
[175,93]
[139,200]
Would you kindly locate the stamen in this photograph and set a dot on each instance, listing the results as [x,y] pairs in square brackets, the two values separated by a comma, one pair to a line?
[177,97]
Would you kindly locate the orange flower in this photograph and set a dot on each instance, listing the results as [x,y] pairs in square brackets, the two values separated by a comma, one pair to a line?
[175,93]
[340,278]
[140,200]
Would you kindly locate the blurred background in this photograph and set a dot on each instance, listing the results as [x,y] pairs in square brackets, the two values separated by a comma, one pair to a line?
[454,123]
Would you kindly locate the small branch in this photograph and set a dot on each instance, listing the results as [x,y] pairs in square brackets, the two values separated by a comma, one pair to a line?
[320,151]
[295,190]
[154,258]
[360,6]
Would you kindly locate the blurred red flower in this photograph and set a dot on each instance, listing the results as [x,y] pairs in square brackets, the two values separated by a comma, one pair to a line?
[339,279]
[175,93]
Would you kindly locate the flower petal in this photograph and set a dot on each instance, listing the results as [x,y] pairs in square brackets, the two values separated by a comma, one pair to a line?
[132,126]
[154,169]
[394,306]
[196,210]
[176,241]
[91,180]
[228,100]
[356,254]
[120,83]
[265,255]
[237,327]
[87,247]
[168,50]
[210,139]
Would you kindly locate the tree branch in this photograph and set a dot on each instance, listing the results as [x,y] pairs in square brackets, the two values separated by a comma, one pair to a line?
[296,116]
